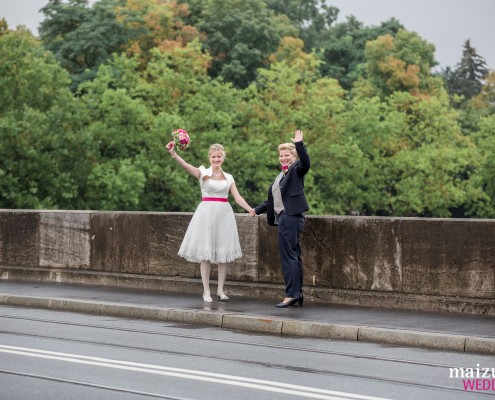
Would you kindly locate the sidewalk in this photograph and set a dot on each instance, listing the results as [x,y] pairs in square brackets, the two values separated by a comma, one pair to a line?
[456,332]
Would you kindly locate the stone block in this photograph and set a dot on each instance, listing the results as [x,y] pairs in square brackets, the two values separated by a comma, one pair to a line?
[252,323]
[448,257]
[19,238]
[319,330]
[317,251]
[79,306]
[399,337]
[120,242]
[166,233]
[246,267]
[64,239]
[203,317]
[366,254]
[480,345]
[129,311]
[27,301]
[270,270]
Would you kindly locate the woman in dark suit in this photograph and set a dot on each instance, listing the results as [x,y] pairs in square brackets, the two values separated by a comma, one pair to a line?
[285,208]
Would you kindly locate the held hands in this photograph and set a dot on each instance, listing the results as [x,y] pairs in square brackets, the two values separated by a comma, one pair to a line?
[298,136]
[252,213]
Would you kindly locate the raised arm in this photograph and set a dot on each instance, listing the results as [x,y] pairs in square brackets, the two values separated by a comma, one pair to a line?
[305,164]
[188,167]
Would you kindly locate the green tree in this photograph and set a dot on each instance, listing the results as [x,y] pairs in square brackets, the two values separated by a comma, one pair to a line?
[38,125]
[240,35]
[469,88]
[368,135]
[81,36]
[342,48]
[435,175]
[485,140]
[155,24]
[466,79]
[487,95]
[401,63]
[118,130]
[312,18]
[401,156]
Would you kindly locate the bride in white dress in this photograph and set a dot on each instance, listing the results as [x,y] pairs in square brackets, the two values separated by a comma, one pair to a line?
[212,236]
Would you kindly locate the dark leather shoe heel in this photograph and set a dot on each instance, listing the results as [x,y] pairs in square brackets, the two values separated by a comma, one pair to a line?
[291,302]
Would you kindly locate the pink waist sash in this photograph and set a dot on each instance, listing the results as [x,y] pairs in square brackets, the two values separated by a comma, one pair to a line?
[222,199]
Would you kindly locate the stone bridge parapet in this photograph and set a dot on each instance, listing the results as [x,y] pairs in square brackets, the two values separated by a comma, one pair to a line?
[408,263]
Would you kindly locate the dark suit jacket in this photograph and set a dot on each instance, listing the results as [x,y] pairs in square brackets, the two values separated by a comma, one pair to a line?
[291,187]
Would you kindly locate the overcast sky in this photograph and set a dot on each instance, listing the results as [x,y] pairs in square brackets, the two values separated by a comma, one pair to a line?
[445,23]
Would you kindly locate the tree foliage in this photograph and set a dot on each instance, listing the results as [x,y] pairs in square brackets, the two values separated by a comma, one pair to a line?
[154,25]
[466,79]
[82,37]
[485,140]
[401,63]
[38,121]
[313,18]
[240,35]
[85,111]
[342,48]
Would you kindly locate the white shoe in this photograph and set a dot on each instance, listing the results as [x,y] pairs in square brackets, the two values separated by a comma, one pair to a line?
[207,298]
[222,296]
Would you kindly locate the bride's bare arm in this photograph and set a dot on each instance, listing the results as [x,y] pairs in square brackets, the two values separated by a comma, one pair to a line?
[239,199]
[188,167]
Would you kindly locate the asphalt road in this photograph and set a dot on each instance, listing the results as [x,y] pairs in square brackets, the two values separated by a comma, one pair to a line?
[58,355]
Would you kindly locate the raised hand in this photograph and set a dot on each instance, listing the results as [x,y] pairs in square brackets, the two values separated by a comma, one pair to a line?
[170,147]
[298,136]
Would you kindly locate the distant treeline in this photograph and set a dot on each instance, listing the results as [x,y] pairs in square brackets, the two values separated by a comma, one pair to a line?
[86,108]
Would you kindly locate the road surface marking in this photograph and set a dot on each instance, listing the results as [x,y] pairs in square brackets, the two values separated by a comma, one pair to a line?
[251,383]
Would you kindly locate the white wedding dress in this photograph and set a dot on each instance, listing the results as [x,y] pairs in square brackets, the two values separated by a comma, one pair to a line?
[212,233]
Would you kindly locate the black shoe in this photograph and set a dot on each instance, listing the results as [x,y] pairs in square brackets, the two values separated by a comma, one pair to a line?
[291,302]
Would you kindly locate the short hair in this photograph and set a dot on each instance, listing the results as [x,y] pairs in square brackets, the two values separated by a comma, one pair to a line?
[216,147]
[288,146]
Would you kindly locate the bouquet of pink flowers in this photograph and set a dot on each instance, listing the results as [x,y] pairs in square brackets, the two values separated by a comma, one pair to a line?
[181,139]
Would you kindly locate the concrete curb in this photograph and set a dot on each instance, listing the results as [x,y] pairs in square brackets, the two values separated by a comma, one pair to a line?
[263,324]
[439,341]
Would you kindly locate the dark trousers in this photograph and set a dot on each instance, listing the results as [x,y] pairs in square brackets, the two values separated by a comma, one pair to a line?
[289,231]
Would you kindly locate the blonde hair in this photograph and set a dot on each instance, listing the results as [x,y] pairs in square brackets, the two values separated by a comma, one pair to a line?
[216,147]
[288,146]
